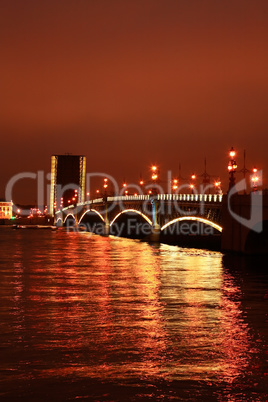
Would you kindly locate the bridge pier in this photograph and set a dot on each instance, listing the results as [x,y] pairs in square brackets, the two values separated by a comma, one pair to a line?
[154,237]
[107,221]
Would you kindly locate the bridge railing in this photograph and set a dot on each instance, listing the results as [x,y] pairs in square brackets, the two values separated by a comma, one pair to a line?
[196,198]
[170,197]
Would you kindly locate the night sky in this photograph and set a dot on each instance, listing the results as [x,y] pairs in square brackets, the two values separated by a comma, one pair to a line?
[130,83]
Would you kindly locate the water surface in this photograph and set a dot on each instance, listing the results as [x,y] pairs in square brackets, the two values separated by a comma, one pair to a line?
[111,319]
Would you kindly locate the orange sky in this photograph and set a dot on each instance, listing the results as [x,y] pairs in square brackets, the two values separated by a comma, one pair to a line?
[128,83]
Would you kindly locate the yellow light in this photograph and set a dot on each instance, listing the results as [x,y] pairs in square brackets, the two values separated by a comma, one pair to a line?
[105,185]
[154,176]
[97,191]
[193,218]
[193,176]
[154,168]
[175,181]
[175,187]
[105,180]
[141,182]
[255,170]
[124,184]
[132,210]
[191,185]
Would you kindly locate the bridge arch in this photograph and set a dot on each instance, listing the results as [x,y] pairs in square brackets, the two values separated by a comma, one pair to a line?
[91,210]
[193,218]
[132,211]
[67,216]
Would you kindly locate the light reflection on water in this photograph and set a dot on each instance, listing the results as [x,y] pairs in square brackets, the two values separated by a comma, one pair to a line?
[103,308]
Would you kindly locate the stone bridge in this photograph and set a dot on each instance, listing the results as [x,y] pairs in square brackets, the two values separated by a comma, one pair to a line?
[162,217]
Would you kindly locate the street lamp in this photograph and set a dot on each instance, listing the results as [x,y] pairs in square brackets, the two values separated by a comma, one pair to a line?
[255,179]
[217,185]
[155,175]
[192,188]
[175,184]
[232,167]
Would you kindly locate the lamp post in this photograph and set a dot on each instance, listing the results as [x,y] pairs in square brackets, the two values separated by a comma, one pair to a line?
[105,186]
[192,188]
[175,185]
[255,179]
[217,185]
[232,167]
[155,175]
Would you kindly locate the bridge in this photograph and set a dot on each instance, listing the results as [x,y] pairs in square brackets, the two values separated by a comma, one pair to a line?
[191,219]
[210,221]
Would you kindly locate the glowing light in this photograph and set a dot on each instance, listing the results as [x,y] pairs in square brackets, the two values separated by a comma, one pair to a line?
[193,218]
[175,181]
[141,182]
[191,186]
[232,153]
[175,187]
[254,170]
[105,185]
[92,210]
[97,191]
[124,184]
[132,210]
[154,176]
[105,180]
[154,168]
[72,215]
[193,176]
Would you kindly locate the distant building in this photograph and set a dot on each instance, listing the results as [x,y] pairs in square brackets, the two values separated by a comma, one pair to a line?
[68,174]
[6,209]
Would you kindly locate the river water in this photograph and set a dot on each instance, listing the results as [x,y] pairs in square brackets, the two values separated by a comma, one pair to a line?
[85,317]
